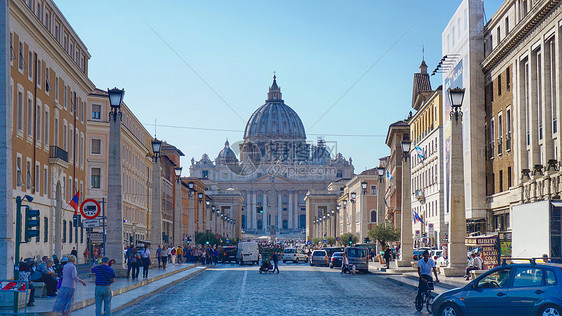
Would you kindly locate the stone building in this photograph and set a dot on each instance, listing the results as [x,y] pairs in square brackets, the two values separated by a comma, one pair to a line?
[275,168]
[44,91]
[397,132]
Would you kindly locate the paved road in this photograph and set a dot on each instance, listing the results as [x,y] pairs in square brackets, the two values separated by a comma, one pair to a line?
[298,290]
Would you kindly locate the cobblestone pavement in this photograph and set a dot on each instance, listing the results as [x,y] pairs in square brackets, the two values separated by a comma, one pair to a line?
[299,289]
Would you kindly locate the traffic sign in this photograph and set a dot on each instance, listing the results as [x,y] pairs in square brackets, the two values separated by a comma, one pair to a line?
[431,227]
[91,223]
[90,209]
[217,236]
[337,239]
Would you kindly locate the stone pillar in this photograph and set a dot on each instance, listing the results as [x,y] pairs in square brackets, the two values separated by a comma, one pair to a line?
[381,212]
[406,240]
[457,223]
[248,212]
[114,225]
[178,234]
[200,214]
[156,215]
[290,225]
[265,221]
[279,213]
[191,218]
[254,212]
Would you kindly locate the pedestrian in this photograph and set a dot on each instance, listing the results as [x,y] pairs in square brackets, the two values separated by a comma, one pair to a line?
[169,253]
[145,261]
[545,258]
[63,303]
[74,252]
[159,255]
[136,263]
[344,263]
[215,256]
[104,277]
[44,273]
[164,258]
[387,256]
[25,275]
[179,253]
[128,256]
[173,259]
[275,260]
[86,255]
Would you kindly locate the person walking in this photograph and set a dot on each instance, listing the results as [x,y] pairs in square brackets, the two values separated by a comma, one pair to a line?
[179,253]
[128,256]
[169,253]
[387,256]
[164,257]
[173,259]
[159,255]
[136,263]
[74,252]
[63,303]
[86,255]
[145,261]
[104,277]
[275,260]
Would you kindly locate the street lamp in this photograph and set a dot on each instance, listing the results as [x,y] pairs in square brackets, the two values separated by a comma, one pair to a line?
[156,145]
[177,170]
[406,145]
[115,99]
[380,173]
[456,96]
[364,186]
[406,240]
[344,203]
[353,196]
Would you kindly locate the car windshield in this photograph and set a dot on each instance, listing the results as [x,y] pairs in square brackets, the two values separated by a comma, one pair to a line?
[356,252]
[319,253]
[337,254]
[289,251]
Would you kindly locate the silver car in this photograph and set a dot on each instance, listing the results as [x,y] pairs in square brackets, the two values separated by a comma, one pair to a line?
[319,258]
[513,289]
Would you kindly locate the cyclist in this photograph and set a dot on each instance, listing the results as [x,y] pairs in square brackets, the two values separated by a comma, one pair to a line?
[425,265]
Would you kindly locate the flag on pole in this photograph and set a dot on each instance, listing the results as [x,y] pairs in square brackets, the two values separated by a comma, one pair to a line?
[417,218]
[75,201]
[385,204]
[388,175]
[420,152]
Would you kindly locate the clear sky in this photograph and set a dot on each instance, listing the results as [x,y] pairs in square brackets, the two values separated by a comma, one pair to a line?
[346,67]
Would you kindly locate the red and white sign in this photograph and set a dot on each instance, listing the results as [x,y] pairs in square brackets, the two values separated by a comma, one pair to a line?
[90,209]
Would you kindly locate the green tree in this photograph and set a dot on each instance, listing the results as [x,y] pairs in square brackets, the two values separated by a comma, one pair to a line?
[316,240]
[331,241]
[347,237]
[384,233]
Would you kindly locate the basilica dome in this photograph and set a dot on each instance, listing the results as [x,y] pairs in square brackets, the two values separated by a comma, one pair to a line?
[274,120]
[226,155]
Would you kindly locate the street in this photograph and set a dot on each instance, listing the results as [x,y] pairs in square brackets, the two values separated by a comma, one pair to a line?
[299,289]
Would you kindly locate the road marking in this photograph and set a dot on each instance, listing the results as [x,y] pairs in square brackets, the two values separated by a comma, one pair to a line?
[242,291]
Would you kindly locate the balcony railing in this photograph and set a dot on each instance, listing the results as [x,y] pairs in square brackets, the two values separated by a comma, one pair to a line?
[58,153]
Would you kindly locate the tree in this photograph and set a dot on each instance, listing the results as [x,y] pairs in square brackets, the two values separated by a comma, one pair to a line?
[331,241]
[315,240]
[384,233]
[347,237]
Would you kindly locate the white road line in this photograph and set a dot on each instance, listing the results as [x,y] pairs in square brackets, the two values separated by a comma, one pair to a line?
[242,292]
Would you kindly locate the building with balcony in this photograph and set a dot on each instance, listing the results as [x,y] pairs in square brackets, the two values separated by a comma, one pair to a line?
[46,88]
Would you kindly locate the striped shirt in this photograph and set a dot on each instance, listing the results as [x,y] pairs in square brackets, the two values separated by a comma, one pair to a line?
[103,277]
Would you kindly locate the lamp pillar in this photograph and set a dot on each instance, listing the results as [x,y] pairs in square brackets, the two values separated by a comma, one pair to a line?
[177,213]
[156,215]
[406,239]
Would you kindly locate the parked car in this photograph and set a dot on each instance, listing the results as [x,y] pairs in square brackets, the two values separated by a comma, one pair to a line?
[330,250]
[319,257]
[336,260]
[359,256]
[418,253]
[294,254]
[512,289]
[248,252]
[228,254]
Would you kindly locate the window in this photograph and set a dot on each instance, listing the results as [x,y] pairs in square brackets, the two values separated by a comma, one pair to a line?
[39,69]
[18,172]
[38,123]
[29,64]
[501,181]
[506,26]
[507,79]
[525,277]
[70,143]
[45,181]
[96,173]
[499,36]
[549,277]
[70,231]
[373,190]
[498,279]
[28,179]
[508,129]
[538,90]
[205,174]
[56,88]
[508,177]
[65,95]
[373,216]
[45,229]
[20,111]
[29,118]
[64,137]
[499,85]
[20,59]
[63,231]
[37,178]
[46,128]
[56,131]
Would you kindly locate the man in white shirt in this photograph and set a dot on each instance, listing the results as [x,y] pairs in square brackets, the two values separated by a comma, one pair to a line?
[145,261]
[425,265]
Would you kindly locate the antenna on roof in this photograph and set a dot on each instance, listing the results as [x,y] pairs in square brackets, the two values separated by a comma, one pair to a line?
[154,127]
[423,53]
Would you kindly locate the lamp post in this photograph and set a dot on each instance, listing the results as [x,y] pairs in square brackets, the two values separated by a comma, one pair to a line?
[156,216]
[114,242]
[364,212]
[191,225]
[344,218]
[178,209]
[380,196]
[457,222]
[353,196]
[406,240]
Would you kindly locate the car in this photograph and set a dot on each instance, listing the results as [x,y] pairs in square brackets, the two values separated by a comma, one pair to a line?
[359,256]
[330,250]
[510,289]
[336,260]
[418,253]
[228,254]
[294,254]
[319,257]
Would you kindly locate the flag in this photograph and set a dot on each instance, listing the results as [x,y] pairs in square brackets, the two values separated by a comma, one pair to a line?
[385,204]
[388,175]
[417,218]
[420,152]
[74,202]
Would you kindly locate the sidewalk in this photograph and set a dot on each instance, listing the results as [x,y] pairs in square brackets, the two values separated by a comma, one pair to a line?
[409,277]
[124,290]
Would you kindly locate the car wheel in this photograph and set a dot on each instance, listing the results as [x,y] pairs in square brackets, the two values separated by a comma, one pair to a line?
[331,266]
[284,261]
[450,309]
[550,310]
[295,261]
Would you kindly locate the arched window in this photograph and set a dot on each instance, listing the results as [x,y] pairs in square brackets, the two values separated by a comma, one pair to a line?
[373,216]
[285,224]
[260,224]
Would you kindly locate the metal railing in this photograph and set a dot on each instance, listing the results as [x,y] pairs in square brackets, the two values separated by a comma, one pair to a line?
[58,153]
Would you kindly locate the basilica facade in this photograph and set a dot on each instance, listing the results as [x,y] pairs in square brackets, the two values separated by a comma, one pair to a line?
[273,168]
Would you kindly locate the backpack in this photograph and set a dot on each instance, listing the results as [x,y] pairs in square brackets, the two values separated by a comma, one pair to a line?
[173,252]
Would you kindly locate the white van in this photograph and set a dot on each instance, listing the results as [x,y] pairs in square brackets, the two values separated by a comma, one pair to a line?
[248,252]
[295,255]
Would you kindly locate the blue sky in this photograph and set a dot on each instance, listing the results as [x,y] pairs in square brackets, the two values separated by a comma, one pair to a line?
[208,64]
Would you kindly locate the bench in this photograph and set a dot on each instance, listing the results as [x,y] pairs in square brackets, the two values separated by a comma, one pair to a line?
[40,289]
[475,273]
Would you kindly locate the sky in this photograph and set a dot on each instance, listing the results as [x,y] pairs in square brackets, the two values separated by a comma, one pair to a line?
[199,69]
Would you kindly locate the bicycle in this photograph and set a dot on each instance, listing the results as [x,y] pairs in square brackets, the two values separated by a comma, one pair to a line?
[426,297]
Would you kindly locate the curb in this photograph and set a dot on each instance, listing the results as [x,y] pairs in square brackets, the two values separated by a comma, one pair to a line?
[140,298]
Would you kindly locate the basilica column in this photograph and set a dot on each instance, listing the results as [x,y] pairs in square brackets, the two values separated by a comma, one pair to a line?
[279,213]
[290,211]
[254,211]
[248,211]
[265,225]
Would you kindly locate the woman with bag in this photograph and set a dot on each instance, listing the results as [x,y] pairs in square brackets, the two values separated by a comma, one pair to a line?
[65,298]
[145,261]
